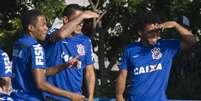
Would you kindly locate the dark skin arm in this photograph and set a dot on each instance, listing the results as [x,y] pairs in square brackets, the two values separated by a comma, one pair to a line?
[42,84]
[90,77]
[120,86]
[58,68]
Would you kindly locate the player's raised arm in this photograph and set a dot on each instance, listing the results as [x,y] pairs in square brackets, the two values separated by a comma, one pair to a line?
[71,24]
[187,38]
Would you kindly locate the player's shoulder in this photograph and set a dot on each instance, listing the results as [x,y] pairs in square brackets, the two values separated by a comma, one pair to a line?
[168,41]
[84,38]
[25,40]
[133,45]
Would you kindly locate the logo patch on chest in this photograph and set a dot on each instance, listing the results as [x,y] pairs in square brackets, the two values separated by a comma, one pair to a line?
[80,49]
[156,54]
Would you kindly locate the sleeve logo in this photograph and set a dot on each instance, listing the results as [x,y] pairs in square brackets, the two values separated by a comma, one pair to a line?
[39,55]
[7,63]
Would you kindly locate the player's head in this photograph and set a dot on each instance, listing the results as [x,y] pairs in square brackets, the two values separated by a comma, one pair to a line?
[146,25]
[34,23]
[72,11]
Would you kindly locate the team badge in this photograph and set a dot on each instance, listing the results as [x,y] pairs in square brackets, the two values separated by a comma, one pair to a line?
[156,54]
[80,49]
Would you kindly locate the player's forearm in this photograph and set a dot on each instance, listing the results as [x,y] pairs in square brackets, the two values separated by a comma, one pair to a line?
[90,77]
[55,69]
[68,28]
[120,86]
[39,76]
[45,86]
[186,36]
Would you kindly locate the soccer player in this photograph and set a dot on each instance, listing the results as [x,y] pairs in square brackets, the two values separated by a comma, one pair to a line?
[29,63]
[76,45]
[147,63]
[5,76]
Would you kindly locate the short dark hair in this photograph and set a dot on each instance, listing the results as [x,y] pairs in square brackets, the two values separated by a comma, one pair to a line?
[70,9]
[146,18]
[30,17]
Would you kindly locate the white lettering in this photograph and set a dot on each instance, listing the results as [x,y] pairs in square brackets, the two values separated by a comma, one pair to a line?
[7,63]
[38,50]
[147,69]
[141,71]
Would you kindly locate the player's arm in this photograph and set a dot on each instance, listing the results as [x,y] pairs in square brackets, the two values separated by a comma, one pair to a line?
[187,38]
[5,85]
[67,29]
[120,85]
[90,78]
[58,68]
[42,84]
[5,73]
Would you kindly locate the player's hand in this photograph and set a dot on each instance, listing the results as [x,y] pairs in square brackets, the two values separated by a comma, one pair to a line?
[3,87]
[167,25]
[73,61]
[89,14]
[77,97]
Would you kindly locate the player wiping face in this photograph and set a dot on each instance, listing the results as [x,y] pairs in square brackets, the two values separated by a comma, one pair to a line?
[151,33]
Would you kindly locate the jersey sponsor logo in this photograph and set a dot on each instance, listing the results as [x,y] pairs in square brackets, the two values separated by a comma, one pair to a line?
[39,55]
[147,69]
[7,63]
[156,54]
[80,49]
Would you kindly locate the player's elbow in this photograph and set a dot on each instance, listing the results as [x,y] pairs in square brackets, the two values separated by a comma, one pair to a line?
[62,34]
[41,85]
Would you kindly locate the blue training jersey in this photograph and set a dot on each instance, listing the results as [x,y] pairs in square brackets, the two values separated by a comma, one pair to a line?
[62,51]
[148,69]
[5,71]
[28,54]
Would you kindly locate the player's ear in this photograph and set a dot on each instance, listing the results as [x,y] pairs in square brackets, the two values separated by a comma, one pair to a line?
[65,19]
[30,27]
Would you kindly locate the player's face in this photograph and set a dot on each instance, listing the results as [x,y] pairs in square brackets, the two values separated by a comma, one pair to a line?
[79,26]
[150,34]
[40,28]
[73,16]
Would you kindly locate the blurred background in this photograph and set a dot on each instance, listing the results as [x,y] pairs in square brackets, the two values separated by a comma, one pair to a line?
[113,31]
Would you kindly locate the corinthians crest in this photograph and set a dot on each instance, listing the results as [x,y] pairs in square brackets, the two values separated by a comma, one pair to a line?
[156,54]
[80,49]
